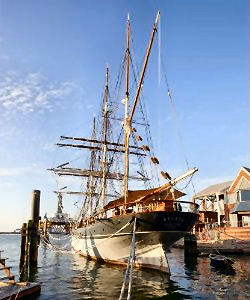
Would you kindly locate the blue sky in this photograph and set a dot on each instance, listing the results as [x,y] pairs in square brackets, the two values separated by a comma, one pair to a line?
[52,59]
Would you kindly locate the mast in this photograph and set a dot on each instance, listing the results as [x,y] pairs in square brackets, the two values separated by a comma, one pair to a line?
[144,67]
[92,162]
[126,118]
[103,144]
[59,203]
[104,151]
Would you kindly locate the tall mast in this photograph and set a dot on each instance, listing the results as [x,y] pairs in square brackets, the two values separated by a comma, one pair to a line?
[144,67]
[126,118]
[91,178]
[105,129]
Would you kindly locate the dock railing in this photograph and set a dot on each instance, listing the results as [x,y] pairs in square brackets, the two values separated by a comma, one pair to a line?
[224,231]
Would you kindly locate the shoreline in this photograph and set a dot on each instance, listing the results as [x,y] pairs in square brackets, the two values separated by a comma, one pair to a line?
[11,232]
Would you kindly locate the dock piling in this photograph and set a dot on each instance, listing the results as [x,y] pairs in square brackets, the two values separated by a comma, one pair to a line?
[30,236]
[35,206]
[33,226]
[190,245]
[23,243]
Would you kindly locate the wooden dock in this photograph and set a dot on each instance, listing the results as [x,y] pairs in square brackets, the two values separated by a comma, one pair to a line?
[10,289]
[19,290]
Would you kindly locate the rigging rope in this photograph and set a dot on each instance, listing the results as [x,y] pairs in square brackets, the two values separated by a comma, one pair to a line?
[55,248]
[175,117]
[111,236]
[59,239]
[130,264]
[159,51]
[188,183]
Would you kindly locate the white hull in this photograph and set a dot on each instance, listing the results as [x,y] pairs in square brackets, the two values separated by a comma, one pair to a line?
[149,252]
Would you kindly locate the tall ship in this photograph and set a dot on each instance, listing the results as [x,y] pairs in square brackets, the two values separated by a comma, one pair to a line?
[122,198]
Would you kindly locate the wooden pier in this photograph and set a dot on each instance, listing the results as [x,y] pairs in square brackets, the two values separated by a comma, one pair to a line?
[19,290]
[9,289]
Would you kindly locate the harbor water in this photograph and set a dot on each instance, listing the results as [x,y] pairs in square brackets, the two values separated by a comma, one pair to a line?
[64,275]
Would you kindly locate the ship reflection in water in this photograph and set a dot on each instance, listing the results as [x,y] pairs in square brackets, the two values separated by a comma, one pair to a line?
[190,279]
[69,276]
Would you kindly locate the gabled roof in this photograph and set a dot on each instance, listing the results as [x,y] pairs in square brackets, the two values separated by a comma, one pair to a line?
[213,189]
[243,172]
[247,169]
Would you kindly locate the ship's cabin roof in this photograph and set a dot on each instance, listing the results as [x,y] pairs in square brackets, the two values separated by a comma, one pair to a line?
[145,196]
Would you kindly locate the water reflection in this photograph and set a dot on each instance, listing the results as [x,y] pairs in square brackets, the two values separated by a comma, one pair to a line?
[68,276]
[190,264]
[93,280]
[226,271]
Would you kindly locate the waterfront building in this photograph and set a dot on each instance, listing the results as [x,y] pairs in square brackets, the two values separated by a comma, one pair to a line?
[226,204]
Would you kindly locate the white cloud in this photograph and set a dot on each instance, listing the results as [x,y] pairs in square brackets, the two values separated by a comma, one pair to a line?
[202,183]
[32,92]
[22,171]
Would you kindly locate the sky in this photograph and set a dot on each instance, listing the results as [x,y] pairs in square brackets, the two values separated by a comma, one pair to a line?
[53,55]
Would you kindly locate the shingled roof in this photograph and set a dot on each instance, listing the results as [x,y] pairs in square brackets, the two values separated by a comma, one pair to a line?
[243,206]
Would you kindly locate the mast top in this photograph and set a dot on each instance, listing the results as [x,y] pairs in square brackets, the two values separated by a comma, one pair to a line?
[157,17]
[139,86]
[107,75]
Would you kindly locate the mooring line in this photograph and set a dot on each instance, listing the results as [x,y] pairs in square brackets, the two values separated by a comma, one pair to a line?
[59,239]
[48,243]
[112,235]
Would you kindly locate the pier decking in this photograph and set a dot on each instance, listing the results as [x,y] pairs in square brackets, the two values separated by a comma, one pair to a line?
[9,289]
[19,290]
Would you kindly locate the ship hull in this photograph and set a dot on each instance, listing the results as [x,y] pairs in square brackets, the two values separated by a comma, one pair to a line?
[155,233]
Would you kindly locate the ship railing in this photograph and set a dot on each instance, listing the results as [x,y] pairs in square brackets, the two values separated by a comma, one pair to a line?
[159,205]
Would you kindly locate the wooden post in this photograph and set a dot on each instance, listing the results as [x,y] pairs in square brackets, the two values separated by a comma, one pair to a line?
[35,205]
[33,227]
[30,237]
[23,242]
[218,208]
[45,230]
[33,245]
[190,245]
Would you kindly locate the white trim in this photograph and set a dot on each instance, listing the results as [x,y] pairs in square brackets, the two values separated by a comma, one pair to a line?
[126,233]
[241,169]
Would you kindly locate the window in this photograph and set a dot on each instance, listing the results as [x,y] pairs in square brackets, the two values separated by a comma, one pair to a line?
[238,196]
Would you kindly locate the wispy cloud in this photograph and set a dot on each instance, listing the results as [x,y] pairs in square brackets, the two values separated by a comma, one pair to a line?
[202,183]
[32,92]
[242,159]
[16,177]
[22,171]
[4,57]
